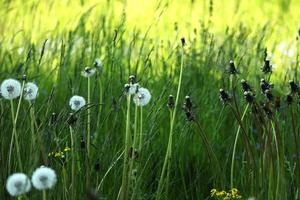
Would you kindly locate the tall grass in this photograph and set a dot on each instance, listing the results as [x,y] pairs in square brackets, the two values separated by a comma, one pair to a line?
[236,145]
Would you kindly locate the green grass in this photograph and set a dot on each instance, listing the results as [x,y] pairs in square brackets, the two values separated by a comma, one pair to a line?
[134,42]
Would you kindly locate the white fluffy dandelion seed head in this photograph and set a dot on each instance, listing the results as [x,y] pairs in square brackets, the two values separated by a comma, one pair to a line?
[98,63]
[43,178]
[142,97]
[88,72]
[18,184]
[76,102]
[10,89]
[30,91]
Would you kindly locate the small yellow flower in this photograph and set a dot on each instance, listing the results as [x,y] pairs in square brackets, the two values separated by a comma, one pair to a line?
[221,193]
[213,191]
[67,149]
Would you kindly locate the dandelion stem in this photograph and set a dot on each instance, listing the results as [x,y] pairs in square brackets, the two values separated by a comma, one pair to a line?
[44,195]
[173,114]
[73,163]
[14,134]
[141,129]
[124,186]
[89,119]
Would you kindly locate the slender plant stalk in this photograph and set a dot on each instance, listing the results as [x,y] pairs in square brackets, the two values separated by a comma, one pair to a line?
[73,163]
[124,186]
[100,103]
[278,162]
[15,134]
[89,119]
[134,144]
[234,148]
[141,130]
[168,156]
[44,195]
[88,139]
[296,142]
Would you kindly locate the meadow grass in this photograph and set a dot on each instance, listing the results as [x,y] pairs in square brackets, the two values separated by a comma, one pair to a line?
[193,146]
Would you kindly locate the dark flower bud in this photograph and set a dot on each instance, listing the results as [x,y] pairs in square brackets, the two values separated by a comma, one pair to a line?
[188,103]
[224,96]
[82,144]
[266,107]
[182,41]
[24,77]
[232,69]
[72,119]
[267,67]
[245,85]
[264,85]
[188,108]
[171,102]
[289,99]
[294,87]
[53,118]
[269,95]
[249,97]
[277,103]
[132,79]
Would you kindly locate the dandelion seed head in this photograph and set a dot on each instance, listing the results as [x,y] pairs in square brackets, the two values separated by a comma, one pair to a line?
[30,91]
[142,97]
[98,63]
[18,184]
[88,72]
[44,178]
[10,89]
[76,102]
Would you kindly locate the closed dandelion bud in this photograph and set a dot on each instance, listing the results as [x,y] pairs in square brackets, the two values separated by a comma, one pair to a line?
[245,85]
[264,85]
[82,144]
[289,99]
[232,70]
[72,119]
[266,68]
[171,102]
[53,118]
[294,87]
[249,97]
[134,173]
[188,103]
[224,96]
[24,77]
[183,41]
[269,95]
[132,79]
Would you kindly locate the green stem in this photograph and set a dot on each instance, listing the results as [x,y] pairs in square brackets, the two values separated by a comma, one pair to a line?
[89,119]
[44,195]
[124,186]
[168,156]
[73,163]
[141,130]
[234,148]
[278,162]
